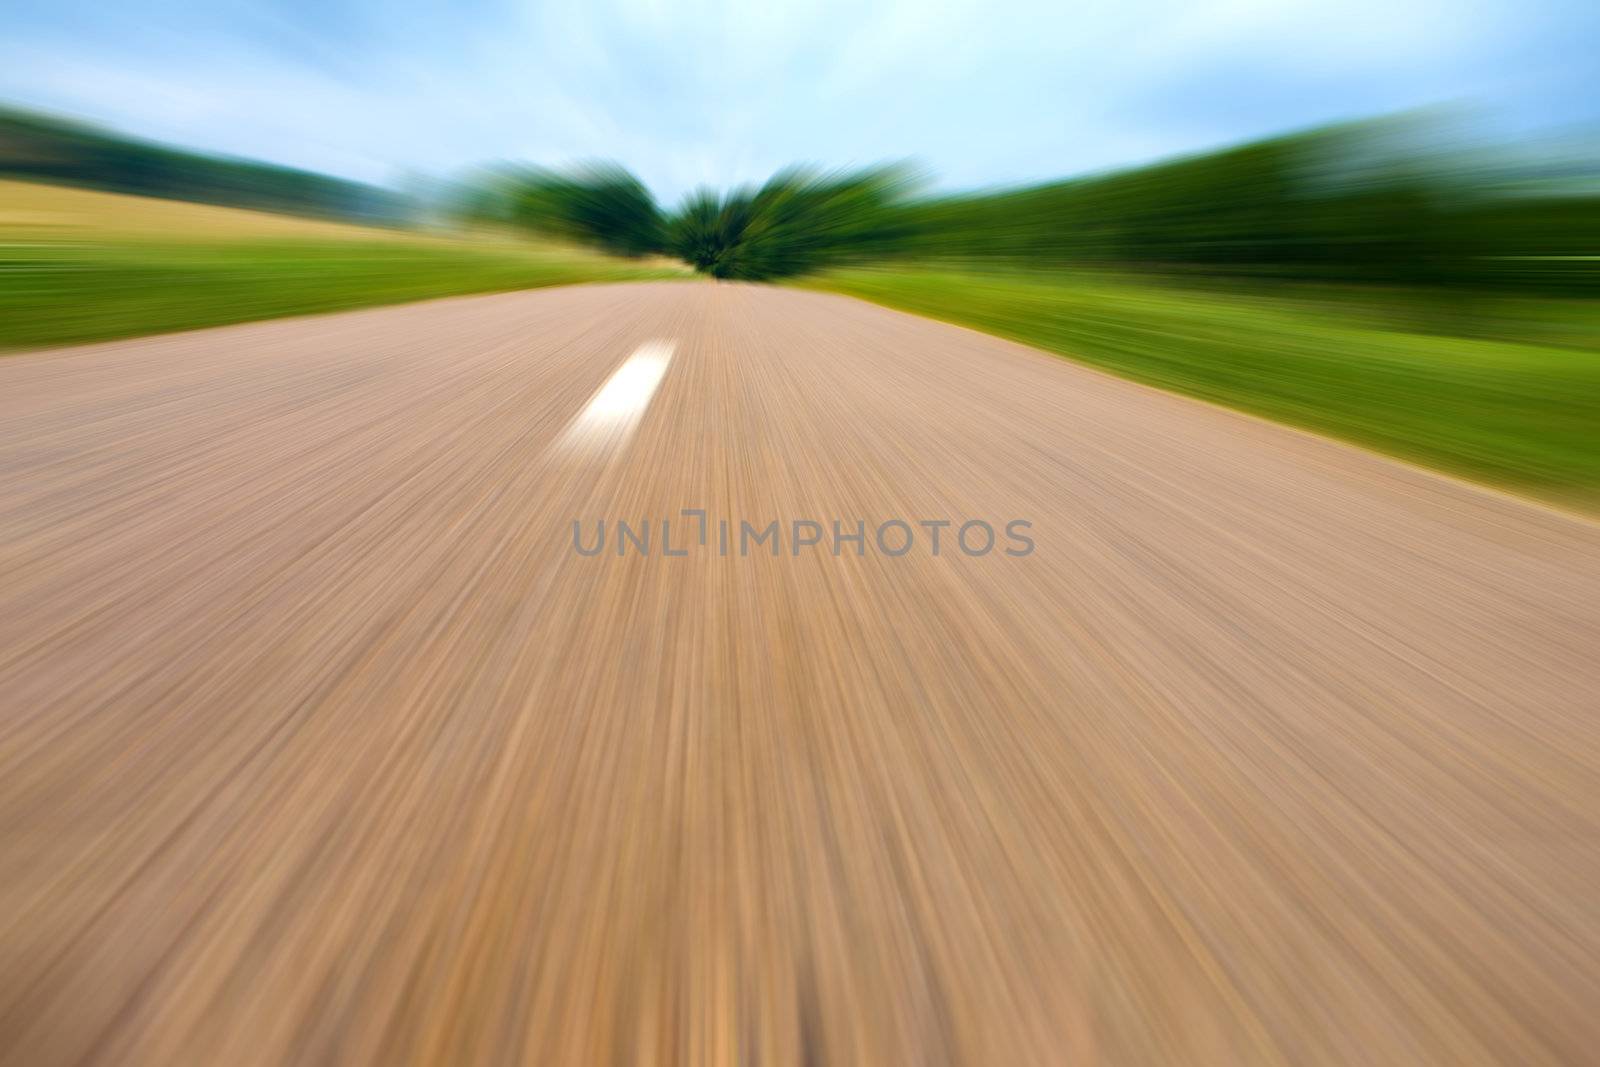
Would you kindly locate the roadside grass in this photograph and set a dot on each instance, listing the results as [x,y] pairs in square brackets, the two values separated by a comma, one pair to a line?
[1517,414]
[78,265]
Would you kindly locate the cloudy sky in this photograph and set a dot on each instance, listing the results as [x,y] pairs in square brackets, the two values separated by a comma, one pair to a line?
[718,91]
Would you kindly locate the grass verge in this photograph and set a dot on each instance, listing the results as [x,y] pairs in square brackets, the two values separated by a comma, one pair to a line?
[1519,415]
[78,266]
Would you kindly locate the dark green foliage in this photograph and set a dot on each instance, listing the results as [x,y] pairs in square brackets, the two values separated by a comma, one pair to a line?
[1387,201]
[600,204]
[1374,202]
[796,223]
[1377,201]
[1295,203]
[40,148]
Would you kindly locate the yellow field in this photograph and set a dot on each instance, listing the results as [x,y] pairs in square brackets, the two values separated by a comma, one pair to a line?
[45,211]
[50,214]
[83,265]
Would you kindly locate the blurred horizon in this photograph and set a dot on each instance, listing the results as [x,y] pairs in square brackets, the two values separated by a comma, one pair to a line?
[1460,134]
[725,95]
[1429,220]
[363,363]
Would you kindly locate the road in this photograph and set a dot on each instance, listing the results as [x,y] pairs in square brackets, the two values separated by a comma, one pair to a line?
[322,742]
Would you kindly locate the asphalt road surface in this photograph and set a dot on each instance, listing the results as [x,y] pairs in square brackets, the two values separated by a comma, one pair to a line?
[322,742]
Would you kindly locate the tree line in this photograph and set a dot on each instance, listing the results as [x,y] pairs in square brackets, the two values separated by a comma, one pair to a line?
[1372,201]
[1383,200]
[44,148]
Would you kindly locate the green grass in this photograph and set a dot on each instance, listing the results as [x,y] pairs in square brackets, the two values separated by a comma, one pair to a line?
[85,265]
[60,293]
[1517,414]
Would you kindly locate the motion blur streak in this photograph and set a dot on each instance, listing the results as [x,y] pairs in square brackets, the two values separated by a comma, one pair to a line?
[320,745]
[609,418]
[1408,200]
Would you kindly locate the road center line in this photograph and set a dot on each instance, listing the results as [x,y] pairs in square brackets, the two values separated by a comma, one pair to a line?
[612,413]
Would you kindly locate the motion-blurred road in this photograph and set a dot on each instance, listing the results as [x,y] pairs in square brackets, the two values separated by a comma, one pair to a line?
[320,743]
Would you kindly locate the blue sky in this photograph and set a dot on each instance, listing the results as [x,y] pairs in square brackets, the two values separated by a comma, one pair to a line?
[722,92]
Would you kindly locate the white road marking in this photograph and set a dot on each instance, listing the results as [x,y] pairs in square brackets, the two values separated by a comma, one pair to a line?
[611,414]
